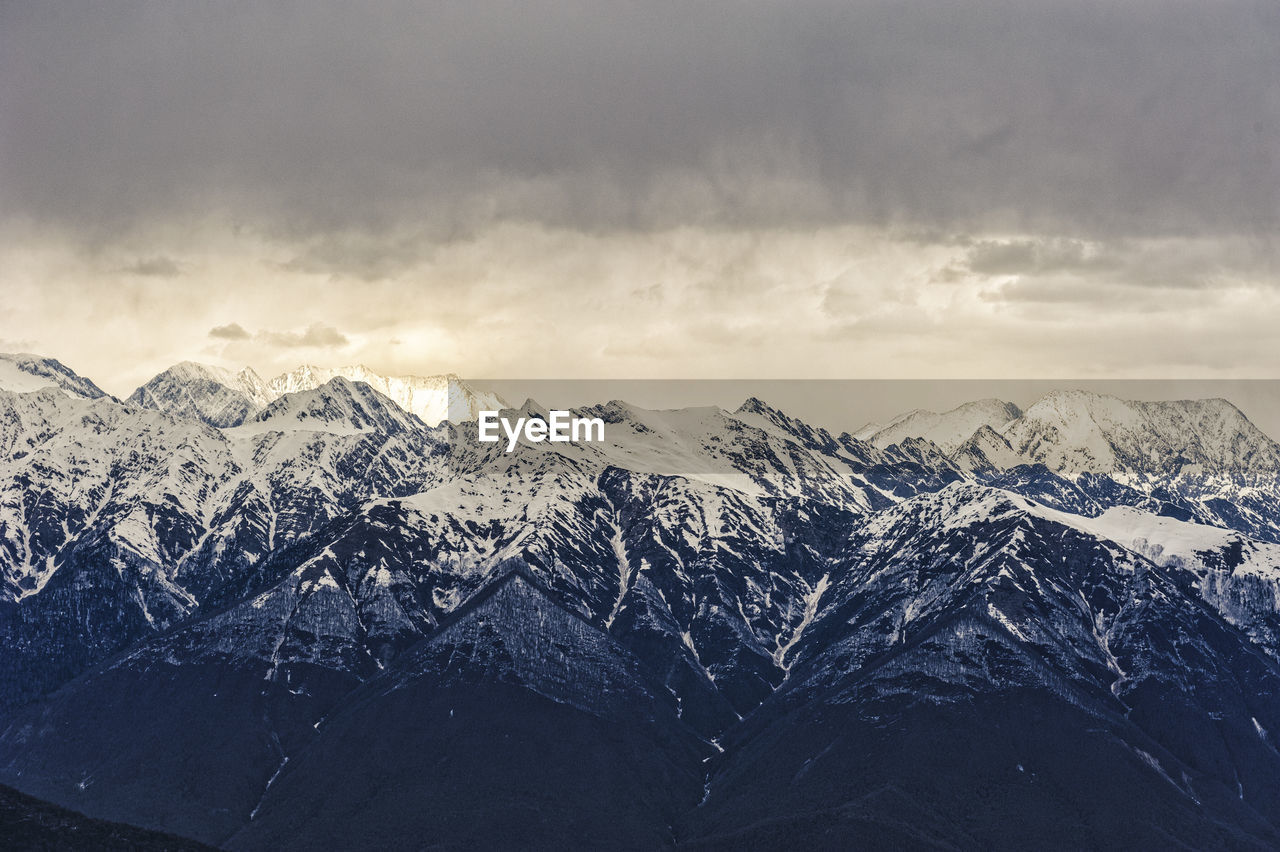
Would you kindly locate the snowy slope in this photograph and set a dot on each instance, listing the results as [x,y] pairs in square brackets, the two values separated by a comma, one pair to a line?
[1074,432]
[1169,541]
[1238,576]
[23,372]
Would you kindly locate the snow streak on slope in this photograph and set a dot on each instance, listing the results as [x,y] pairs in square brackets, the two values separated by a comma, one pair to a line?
[811,602]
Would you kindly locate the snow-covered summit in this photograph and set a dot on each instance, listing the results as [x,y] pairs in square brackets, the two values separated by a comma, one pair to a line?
[340,406]
[948,430]
[1075,431]
[214,395]
[434,399]
[22,372]
[760,414]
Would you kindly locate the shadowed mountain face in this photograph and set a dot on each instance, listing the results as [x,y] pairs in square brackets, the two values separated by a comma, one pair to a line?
[331,626]
[504,733]
[28,823]
[970,640]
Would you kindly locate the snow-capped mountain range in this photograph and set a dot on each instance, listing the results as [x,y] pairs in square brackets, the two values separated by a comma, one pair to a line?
[224,398]
[346,621]
[433,399]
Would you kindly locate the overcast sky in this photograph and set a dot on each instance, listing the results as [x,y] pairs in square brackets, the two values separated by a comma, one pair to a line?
[644,189]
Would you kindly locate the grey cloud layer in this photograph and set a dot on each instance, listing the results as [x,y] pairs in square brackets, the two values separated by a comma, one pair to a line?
[317,120]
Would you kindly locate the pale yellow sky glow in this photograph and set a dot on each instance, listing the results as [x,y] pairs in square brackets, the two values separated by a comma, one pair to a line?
[525,300]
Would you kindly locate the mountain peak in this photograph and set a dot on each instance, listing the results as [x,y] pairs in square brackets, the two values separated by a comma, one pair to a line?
[214,395]
[949,429]
[1076,431]
[755,405]
[340,405]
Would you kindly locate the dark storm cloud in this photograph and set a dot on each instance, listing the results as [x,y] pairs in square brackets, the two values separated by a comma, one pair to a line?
[305,119]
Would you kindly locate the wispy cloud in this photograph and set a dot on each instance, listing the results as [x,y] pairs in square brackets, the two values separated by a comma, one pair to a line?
[317,335]
[153,267]
[1037,257]
[230,331]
